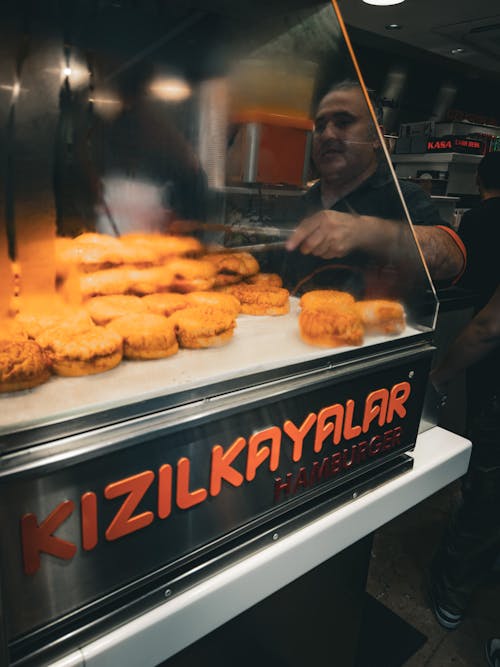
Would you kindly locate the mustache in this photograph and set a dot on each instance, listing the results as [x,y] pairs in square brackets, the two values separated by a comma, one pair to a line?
[340,145]
[332,145]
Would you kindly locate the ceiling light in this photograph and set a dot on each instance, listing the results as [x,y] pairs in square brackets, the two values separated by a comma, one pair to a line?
[383,2]
[393,26]
[459,50]
[172,89]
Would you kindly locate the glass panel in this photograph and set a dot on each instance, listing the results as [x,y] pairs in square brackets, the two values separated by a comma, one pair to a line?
[147,146]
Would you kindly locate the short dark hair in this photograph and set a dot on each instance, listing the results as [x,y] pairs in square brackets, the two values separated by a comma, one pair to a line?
[353,84]
[488,171]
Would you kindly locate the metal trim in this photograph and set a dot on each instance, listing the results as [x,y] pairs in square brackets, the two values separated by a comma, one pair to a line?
[64,428]
[251,166]
[84,446]
[4,652]
[138,597]
[307,157]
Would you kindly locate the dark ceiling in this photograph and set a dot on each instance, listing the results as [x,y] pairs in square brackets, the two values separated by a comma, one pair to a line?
[436,26]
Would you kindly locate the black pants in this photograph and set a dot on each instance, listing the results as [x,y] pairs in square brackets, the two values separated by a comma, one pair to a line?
[471,542]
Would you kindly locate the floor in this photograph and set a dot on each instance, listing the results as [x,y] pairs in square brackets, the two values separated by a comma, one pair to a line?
[402,550]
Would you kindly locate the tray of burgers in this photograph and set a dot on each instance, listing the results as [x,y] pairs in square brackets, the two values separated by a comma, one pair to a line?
[148,315]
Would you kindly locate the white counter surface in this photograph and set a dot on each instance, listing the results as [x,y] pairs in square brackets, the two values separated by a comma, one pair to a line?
[259,344]
[440,457]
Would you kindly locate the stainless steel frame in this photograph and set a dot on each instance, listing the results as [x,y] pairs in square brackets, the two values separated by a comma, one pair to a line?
[279,378]
[73,597]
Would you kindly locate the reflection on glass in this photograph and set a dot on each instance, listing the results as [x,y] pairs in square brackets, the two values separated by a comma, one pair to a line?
[154,139]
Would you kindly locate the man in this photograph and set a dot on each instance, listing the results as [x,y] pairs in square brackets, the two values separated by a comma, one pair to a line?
[355,206]
[472,541]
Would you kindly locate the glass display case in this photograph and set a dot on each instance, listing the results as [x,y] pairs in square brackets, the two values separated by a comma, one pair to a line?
[214,308]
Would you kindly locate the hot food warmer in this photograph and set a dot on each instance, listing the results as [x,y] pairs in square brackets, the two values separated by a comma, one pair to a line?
[118,487]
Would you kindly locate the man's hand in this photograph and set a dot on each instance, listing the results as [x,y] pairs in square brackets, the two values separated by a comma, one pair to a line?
[328,234]
[331,234]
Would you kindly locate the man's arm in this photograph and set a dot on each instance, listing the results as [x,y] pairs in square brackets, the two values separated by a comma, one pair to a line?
[444,256]
[331,234]
[480,337]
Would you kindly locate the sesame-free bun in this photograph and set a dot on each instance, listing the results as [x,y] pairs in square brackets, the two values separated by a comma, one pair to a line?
[382,316]
[87,253]
[85,353]
[103,309]
[191,275]
[265,280]
[322,298]
[105,283]
[165,246]
[257,300]
[201,327]
[23,365]
[214,301]
[36,323]
[146,336]
[331,327]
[164,303]
[232,267]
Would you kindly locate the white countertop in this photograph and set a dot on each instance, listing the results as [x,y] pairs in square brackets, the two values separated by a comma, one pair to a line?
[259,344]
[440,457]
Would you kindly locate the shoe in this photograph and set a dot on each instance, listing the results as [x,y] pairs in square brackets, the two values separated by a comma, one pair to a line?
[492,649]
[447,619]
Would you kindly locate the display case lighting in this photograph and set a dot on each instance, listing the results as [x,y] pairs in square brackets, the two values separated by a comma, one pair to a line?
[15,89]
[171,89]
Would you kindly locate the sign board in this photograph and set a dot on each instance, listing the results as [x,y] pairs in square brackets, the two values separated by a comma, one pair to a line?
[85,530]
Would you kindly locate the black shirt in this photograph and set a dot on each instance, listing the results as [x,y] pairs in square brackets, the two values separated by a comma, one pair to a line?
[480,232]
[377,196]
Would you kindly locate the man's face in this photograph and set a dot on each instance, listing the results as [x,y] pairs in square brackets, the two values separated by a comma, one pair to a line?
[343,140]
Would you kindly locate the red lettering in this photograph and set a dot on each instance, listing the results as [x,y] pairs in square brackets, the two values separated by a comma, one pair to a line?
[164,491]
[388,440]
[324,428]
[134,488]
[280,486]
[88,509]
[348,457]
[297,435]
[350,431]
[221,467]
[375,406]
[256,456]
[301,480]
[37,539]
[374,445]
[336,463]
[184,497]
[399,395]
[318,472]
[362,451]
